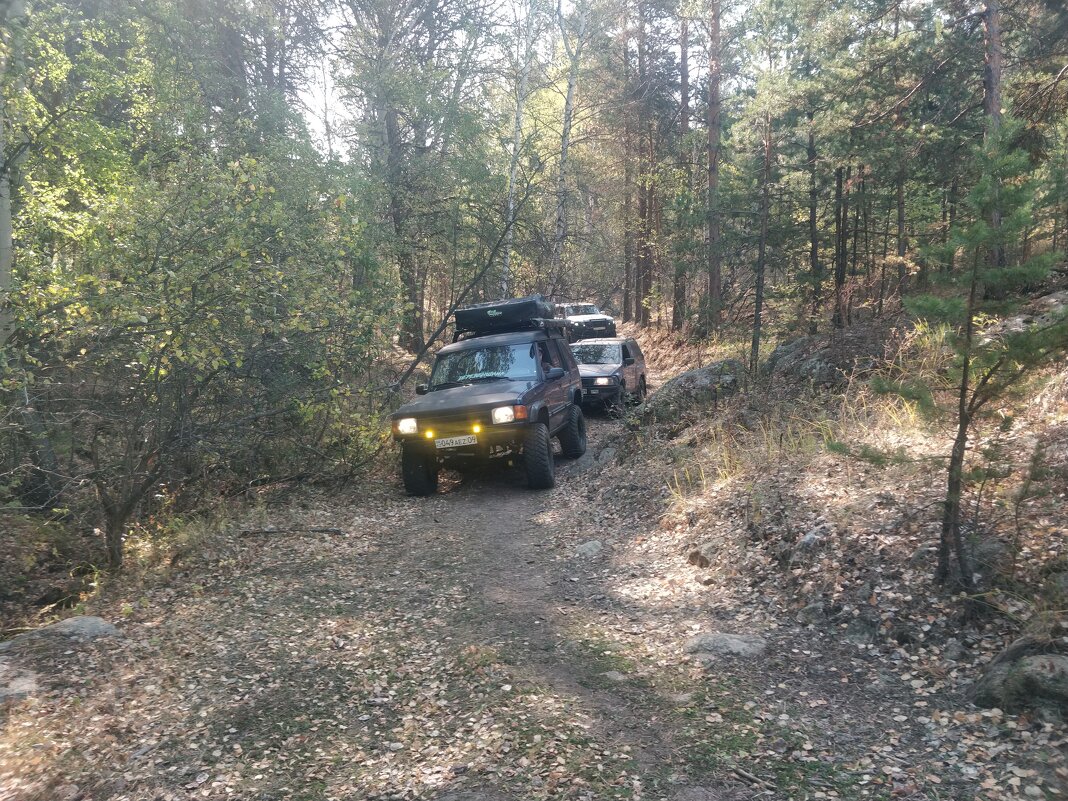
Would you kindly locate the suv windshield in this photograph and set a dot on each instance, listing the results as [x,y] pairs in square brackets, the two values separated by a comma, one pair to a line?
[597,354]
[585,308]
[514,362]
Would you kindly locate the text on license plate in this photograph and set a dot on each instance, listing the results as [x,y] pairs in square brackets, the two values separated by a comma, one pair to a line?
[455,442]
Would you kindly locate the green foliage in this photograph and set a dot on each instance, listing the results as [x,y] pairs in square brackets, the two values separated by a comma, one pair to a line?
[198,290]
[915,391]
[876,456]
[193,293]
[996,352]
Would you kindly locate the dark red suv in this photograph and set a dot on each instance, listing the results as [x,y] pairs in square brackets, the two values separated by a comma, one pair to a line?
[502,390]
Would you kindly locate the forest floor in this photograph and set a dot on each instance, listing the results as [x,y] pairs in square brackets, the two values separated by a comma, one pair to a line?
[492,643]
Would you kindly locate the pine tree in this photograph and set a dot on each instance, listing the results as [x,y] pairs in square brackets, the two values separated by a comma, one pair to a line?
[990,357]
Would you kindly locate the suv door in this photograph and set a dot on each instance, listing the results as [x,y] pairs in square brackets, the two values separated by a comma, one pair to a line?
[574,378]
[639,362]
[630,372]
[556,396]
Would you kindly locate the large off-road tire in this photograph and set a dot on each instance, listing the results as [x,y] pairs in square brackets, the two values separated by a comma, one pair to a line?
[573,435]
[420,472]
[538,457]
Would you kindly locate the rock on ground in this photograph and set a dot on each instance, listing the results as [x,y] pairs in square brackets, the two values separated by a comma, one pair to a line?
[709,794]
[81,628]
[704,554]
[588,550]
[15,683]
[694,389]
[1026,675]
[862,630]
[825,361]
[811,615]
[723,644]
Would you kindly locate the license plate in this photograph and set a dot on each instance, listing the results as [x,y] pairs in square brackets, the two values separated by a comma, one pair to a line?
[456,442]
[587,392]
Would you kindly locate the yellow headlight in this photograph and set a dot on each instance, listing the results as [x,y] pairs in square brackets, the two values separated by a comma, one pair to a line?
[476,428]
[429,434]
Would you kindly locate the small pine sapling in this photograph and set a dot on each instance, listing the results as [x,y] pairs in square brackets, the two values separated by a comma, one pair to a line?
[991,357]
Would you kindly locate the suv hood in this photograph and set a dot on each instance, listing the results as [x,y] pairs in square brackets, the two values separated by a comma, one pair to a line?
[588,318]
[468,398]
[594,370]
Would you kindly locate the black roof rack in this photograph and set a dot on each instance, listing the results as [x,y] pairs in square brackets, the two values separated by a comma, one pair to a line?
[533,324]
[503,316]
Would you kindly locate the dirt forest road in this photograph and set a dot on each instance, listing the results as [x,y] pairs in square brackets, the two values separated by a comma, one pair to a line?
[444,648]
[488,643]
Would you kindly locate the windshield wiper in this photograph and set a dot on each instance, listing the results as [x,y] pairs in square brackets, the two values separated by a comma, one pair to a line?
[468,381]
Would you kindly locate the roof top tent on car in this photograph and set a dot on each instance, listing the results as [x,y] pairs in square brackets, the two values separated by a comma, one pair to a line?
[499,316]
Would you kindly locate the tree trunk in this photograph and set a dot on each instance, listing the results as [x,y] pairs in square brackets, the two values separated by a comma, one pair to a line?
[951,539]
[992,102]
[47,476]
[412,317]
[678,301]
[853,256]
[517,133]
[714,299]
[758,302]
[10,24]
[645,210]
[574,54]
[628,187]
[902,240]
[113,534]
[814,266]
[838,319]
[992,65]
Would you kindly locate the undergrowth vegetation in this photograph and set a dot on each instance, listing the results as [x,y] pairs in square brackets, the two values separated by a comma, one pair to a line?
[872,446]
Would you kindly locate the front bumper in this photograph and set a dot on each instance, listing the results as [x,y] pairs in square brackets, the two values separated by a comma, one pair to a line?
[491,440]
[592,393]
[593,330]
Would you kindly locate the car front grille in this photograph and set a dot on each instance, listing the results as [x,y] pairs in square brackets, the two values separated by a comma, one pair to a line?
[455,425]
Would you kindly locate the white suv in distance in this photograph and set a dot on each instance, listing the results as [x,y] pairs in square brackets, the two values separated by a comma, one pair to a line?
[586,320]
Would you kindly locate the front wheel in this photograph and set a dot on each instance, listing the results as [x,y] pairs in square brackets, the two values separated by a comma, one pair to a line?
[573,435]
[538,457]
[419,471]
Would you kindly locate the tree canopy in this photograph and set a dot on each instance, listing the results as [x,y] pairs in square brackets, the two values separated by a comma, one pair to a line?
[223,223]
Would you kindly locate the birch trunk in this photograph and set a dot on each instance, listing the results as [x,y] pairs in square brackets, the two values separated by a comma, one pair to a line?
[574,54]
[517,133]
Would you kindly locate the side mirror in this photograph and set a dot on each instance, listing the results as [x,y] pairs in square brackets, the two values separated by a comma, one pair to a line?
[421,389]
[627,362]
[555,374]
